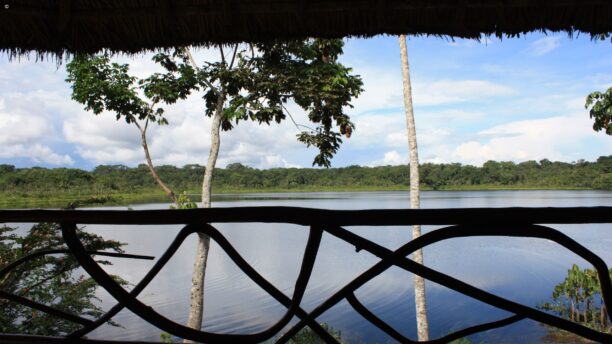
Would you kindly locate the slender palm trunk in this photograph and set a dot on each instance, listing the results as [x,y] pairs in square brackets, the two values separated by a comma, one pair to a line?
[196,308]
[415,197]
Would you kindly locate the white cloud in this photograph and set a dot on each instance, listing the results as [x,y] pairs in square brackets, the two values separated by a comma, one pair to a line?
[433,136]
[390,130]
[391,158]
[544,45]
[458,91]
[102,139]
[383,90]
[17,129]
[394,158]
[37,153]
[529,140]
[444,116]
[379,130]
[26,125]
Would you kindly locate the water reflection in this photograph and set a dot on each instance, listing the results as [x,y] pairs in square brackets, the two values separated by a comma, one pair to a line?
[522,270]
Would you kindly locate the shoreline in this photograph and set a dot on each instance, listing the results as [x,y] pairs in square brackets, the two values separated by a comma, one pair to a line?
[150,196]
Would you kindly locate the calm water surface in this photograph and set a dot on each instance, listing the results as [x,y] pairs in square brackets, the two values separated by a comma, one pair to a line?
[522,270]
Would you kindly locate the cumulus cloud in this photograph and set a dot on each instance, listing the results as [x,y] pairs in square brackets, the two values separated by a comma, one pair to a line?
[529,140]
[37,153]
[27,127]
[392,158]
[544,45]
[21,129]
[102,139]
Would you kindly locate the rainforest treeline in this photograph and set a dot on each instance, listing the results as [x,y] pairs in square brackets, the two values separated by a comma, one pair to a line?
[119,179]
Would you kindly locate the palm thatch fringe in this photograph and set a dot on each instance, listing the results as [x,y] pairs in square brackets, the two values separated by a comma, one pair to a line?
[59,27]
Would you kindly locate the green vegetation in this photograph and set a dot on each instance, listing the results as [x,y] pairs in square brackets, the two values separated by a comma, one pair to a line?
[578,298]
[308,336]
[461,341]
[53,280]
[600,104]
[118,184]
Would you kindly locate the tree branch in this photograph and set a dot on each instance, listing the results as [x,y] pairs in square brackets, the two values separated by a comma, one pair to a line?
[195,66]
[222,54]
[145,147]
[233,56]
[297,125]
[45,280]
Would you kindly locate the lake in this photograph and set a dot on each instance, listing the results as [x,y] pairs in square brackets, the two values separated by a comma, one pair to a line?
[522,270]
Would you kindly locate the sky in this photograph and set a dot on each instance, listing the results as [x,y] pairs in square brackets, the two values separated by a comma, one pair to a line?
[515,99]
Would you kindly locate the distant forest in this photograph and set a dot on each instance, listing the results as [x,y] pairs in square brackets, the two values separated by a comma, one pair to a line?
[122,180]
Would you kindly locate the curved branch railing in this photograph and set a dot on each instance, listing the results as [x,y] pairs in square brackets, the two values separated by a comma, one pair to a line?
[509,222]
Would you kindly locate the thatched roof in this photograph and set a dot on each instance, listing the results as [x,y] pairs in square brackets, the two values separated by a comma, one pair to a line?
[66,26]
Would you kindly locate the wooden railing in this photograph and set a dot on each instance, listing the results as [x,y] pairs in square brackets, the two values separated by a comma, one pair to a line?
[472,222]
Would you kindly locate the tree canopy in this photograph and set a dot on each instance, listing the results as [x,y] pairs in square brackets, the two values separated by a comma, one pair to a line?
[257,81]
[53,280]
[108,180]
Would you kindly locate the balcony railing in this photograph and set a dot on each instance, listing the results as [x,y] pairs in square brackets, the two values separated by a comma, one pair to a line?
[473,222]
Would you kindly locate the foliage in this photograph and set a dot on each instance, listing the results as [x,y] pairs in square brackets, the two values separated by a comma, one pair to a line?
[165,337]
[308,336]
[53,280]
[579,299]
[308,73]
[251,86]
[101,85]
[601,110]
[183,202]
[118,180]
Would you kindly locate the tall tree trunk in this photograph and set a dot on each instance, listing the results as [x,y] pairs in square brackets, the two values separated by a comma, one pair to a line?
[577,316]
[586,310]
[415,197]
[215,142]
[196,308]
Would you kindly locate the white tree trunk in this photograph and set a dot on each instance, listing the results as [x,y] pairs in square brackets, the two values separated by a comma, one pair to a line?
[415,197]
[196,309]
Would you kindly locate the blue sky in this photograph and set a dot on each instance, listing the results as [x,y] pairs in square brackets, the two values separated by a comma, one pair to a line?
[515,99]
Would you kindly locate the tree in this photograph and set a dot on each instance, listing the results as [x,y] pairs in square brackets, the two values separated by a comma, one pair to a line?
[104,85]
[51,280]
[242,86]
[601,110]
[578,294]
[415,196]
